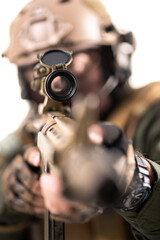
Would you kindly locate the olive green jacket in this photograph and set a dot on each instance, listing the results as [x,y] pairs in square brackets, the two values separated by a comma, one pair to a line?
[146,223]
[139,116]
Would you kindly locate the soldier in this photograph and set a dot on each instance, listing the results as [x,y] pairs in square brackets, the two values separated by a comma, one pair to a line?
[101,64]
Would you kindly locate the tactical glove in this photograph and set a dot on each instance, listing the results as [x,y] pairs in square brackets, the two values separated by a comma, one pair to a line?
[21,188]
[95,177]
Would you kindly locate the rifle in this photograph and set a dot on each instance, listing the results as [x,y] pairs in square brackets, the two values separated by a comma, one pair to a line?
[62,139]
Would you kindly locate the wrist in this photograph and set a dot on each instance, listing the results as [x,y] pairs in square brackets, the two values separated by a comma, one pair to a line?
[140,187]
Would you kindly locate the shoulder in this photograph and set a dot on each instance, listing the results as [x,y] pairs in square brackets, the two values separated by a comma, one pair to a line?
[138,114]
[134,104]
[147,132]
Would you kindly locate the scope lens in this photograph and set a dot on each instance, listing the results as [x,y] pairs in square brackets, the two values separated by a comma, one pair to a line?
[61,85]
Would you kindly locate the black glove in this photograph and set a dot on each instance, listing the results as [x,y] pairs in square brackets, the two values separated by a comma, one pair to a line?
[114,137]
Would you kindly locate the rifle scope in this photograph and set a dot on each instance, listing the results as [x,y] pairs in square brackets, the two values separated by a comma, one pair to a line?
[60,84]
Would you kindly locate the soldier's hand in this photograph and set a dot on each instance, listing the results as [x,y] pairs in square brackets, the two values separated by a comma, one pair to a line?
[20,181]
[61,208]
[52,187]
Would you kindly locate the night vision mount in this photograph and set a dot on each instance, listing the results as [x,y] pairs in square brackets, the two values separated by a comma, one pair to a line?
[51,77]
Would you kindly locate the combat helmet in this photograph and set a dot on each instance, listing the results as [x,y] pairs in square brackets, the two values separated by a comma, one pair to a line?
[68,24]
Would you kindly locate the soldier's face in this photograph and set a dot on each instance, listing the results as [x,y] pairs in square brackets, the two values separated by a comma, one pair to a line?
[86,66]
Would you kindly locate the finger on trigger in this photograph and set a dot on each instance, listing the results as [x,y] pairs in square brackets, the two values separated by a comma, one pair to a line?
[32,156]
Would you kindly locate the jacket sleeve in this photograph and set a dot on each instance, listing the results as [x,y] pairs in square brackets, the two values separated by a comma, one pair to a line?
[145,224]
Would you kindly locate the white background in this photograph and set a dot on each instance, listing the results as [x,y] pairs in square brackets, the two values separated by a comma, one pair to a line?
[140,16]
